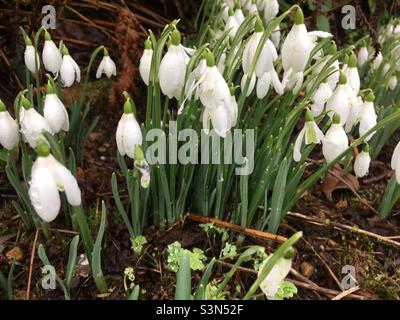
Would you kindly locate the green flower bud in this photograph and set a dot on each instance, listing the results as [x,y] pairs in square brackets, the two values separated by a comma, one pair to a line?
[105,52]
[370,97]
[147,44]
[2,106]
[26,104]
[352,62]
[42,148]
[259,27]
[209,58]
[299,16]
[366,148]
[176,38]
[65,50]
[139,155]
[336,118]
[309,116]
[342,78]
[289,254]
[128,106]
[47,36]
[50,88]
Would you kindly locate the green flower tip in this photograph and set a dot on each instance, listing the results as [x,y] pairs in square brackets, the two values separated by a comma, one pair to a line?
[366,148]
[2,106]
[309,115]
[289,254]
[105,52]
[47,36]
[28,41]
[211,33]
[352,62]
[330,49]
[259,25]
[26,103]
[42,148]
[232,89]
[342,78]
[65,50]
[209,58]
[236,5]
[230,12]
[147,44]
[336,118]
[139,155]
[346,58]
[176,38]
[370,97]
[128,106]
[50,88]
[298,16]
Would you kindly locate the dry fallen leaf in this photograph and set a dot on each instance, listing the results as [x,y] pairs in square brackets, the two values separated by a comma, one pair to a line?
[307,269]
[17,252]
[338,179]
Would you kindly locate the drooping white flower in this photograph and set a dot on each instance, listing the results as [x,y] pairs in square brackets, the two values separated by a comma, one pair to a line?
[9,137]
[321,96]
[30,55]
[296,50]
[54,111]
[339,102]
[264,69]
[232,24]
[51,55]
[252,83]
[69,70]
[362,56]
[335,140]
[356,103]
[310,134]
[106,66]
[362,162]
[173,68]
[271,10]
[377,61]
[392,82]
[276,36]
[128,133]
[32,123]
[395,162]
[145,62]
[238,13]
[367,117]
[48,177]
[351,73]
[273,280]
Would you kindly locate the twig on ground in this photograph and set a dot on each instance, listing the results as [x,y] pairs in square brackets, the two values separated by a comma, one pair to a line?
[28,290]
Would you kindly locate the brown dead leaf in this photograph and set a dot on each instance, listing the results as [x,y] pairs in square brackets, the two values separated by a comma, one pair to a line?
[17,252]
[338,179]
[307,269]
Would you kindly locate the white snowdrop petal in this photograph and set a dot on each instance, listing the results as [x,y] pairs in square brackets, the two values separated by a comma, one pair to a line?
[43,194]
[51,57]
[55,113]
[263,84]
[145,64]
[361,164]
[9,137]
[29,57]
[297,145]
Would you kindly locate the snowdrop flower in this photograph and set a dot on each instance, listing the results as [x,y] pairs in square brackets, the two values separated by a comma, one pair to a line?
[252,83]
[30,55]
[335,140]
[264,70]
[276,36]
[9,137]
[271,10]
[213,89]
[362,162]
[296,50]
[128,131]
[362,56]
[377,61]
[278,273]
[32,123]
[395,162]
[339,102]
[320,98]
[351,73]
[106,66]
[51,55]
[173,68]
[194,80]
[238,13]
[145,62]
[392,82]
[48,177]
[69,70]
[215,95]
[232,24]
[54,111]
[252,7]
[310,134]
[367,116]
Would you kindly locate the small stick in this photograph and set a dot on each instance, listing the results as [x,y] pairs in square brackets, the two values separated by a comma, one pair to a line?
[341,226]
[28,290]
[236,228]
[346,293]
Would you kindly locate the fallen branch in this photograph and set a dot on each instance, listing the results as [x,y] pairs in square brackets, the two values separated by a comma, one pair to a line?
[340,226]
[236,228]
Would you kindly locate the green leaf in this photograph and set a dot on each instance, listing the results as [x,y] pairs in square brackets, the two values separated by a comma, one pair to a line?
[73,248]
[183,279]
[96,255]
[323,24]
